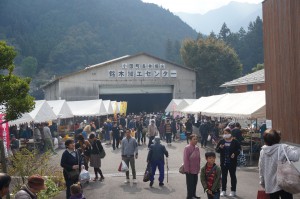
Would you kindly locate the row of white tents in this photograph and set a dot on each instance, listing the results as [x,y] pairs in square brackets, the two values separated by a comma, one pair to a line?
[248,105]
[62,109]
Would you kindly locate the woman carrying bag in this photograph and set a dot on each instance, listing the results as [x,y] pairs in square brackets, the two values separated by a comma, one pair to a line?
[270,153]
[95,161]
[71,161]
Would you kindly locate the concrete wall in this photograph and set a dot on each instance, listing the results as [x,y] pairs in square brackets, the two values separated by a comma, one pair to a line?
[85,84]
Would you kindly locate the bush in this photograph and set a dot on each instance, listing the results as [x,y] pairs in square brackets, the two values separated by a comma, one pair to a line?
[26,163]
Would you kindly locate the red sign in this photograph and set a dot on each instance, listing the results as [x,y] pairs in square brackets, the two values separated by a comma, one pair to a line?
[4,132]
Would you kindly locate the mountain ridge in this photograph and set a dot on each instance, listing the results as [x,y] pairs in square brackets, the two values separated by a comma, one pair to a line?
[229,14]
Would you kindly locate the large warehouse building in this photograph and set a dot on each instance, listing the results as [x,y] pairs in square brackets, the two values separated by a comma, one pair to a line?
[146,82]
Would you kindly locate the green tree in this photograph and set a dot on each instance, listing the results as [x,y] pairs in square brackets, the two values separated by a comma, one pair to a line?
[214,62]
[224,32]
[29,66]
[258,67]
[14,98]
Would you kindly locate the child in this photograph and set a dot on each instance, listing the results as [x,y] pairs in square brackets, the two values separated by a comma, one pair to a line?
[76,192]
[210,176]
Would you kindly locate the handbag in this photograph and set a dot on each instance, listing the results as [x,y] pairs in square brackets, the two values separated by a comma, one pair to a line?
[288,177]
[147,173]
[208,138]
[74,173]
[261,194]
[102,153]
[241,159]
[181,169]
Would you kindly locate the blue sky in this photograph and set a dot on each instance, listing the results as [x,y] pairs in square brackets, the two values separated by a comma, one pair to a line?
[195,6]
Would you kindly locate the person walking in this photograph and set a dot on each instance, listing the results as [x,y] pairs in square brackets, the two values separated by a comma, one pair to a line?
[152,131]
[204,131]
[162,129]
[48,138]
[191,162]
[139,129]
[229,150]
[156,159]
[210,176]
[174,128]
[116,136]
[30,190]
[237,133]
[168,132]
[188,129]
[71,162]
[96,149]
[269,155]
[129,154]
[85,148]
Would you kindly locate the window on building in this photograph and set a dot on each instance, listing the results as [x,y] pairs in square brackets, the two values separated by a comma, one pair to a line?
[250,87]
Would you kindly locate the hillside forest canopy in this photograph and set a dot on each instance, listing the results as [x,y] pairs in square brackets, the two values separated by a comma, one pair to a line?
[54,37]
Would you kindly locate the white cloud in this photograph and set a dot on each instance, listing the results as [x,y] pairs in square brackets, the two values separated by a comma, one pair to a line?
[194,6]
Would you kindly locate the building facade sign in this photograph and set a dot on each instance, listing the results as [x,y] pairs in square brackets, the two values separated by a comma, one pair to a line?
[150,70]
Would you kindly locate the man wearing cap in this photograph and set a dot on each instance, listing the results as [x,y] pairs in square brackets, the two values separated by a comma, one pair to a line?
[156,159]
[34,185]
[152,131]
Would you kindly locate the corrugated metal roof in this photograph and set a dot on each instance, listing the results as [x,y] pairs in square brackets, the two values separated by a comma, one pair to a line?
[252,78]
[111,62]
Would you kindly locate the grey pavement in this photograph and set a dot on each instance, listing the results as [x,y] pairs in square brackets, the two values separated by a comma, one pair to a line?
[113,186]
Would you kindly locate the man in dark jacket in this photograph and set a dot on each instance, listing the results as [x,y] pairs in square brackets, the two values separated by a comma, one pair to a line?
[156,159]
[204,131]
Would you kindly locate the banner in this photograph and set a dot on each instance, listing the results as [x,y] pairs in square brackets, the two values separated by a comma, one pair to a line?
[123,108]
[4,133]
[115,111]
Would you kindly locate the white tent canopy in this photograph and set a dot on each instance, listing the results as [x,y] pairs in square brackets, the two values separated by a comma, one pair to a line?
[61,108]
[172,107]
[87,108]
[202,103]
[41,113]
[240,105]
[185,103]
[108,107]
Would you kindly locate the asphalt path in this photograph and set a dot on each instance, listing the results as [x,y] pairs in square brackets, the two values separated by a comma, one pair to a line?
[113,186]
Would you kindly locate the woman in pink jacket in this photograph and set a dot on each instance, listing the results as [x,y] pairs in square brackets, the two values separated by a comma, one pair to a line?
[191,162]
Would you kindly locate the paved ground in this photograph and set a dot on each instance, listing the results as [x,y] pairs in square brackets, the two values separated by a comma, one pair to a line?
[113,186]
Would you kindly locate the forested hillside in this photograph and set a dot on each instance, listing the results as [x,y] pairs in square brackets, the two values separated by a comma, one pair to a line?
[57,37]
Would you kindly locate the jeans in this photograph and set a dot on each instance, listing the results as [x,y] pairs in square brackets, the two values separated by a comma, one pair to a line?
[188,136]
[150,140]
[216,195]
[204,139]
[160,164]
[232,172]
[116,141]
[130,160]
[169,137]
